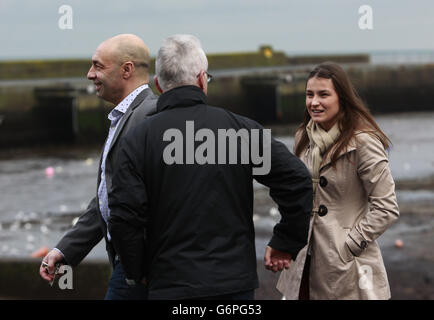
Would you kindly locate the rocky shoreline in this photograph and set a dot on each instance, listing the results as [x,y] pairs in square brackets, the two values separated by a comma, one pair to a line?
[410,268]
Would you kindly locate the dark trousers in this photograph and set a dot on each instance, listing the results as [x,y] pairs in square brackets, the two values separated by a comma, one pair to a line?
[118,289]
[304,286]
[242,295]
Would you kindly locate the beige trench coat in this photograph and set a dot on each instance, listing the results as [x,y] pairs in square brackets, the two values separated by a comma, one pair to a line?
[353,206]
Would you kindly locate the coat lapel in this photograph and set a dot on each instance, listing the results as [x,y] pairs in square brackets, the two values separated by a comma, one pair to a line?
[327,160]
[137,101]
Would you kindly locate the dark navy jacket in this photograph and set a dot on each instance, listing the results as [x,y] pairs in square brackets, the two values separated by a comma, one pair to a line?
[188,228]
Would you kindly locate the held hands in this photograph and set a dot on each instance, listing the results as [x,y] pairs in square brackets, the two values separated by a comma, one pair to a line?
[276,260]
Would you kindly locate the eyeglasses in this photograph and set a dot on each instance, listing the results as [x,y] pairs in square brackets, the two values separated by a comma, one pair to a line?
[137,64]
[208,76]
[140,64]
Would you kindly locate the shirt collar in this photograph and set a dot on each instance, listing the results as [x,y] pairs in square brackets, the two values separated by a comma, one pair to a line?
[123,106]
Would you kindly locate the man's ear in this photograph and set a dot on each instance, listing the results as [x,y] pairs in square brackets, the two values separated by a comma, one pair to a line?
[127,69]
[157,84]
[200,80]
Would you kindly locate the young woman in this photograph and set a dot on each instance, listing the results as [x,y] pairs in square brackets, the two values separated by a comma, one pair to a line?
[354,194]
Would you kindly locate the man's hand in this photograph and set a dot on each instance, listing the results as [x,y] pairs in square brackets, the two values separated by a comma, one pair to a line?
[48,265]
[144,281]
[276,260]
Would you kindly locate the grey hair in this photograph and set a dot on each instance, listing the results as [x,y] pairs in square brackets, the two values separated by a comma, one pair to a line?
[179,61]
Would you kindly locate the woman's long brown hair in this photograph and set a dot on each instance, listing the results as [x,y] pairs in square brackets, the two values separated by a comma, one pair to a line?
[353,114]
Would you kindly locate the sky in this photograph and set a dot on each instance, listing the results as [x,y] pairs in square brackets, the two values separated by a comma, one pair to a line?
[30,29]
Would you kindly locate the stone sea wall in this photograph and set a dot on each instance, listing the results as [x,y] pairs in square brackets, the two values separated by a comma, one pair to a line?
[267,86]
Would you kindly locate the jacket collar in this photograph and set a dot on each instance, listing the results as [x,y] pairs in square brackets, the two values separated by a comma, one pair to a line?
[179,97]
[328,159]
[136,102]
[139,98]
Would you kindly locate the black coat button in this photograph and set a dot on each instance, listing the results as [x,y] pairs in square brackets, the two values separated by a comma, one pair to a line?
[322,210]
[363,244]
[323,181]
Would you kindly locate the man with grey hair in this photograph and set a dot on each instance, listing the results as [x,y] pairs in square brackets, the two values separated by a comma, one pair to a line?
[179,62]
[182,204]
[120,72]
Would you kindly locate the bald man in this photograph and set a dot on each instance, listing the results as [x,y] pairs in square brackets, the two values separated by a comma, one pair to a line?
[120,72]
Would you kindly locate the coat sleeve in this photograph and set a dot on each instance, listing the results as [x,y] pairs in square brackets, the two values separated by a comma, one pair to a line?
[373,170]
[128,204]
[290,186]
[86,233]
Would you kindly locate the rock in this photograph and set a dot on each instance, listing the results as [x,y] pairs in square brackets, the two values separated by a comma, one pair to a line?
[49,172]
[398,243]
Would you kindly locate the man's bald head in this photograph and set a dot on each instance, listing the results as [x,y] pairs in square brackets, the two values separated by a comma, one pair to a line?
[128,47]
[119,66]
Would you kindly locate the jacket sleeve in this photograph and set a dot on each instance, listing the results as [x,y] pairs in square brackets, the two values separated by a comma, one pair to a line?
[86,233]
[290,186]
[128,209]
[373,170]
